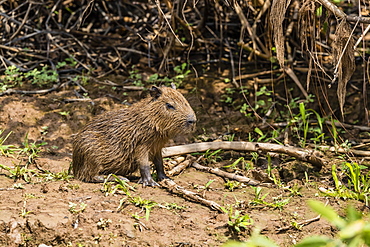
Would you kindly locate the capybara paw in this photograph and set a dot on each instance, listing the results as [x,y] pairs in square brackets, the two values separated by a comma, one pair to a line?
[148,182]
[160,178]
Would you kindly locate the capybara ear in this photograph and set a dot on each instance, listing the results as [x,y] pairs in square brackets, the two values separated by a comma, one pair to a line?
[155,92]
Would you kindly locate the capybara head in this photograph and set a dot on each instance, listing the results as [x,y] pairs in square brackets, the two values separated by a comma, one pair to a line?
[170,112]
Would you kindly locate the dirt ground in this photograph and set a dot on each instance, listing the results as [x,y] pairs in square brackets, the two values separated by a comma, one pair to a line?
[46,211]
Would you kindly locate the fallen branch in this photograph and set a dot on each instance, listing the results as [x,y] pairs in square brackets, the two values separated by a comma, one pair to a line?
[340,14]
[311,156]
[228,175]
[42,91]
[300,224]
[345,151]
[180,167]
[174,188]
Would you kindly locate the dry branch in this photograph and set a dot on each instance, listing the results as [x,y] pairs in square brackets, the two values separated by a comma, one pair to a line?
[228,175]
[340,14]
[302,223]
[344,150]
[180,167]
[174,188]
[311,156]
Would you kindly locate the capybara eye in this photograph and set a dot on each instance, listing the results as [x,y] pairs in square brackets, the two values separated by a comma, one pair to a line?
[169,106]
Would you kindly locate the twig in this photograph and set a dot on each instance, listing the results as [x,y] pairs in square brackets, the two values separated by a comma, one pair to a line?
[246,76]
[42,91]
[302,223]
[228,175]
[344,150]
[180,167]
[292,75]
[174,188]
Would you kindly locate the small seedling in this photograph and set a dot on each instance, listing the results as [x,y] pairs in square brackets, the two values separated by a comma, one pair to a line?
[120,186]
[237,221]
[358,187]
[260,200]
[24,211]
[208,184]
[294,191]
[136,216]
[236,163]
[58,176]
[31,149]
[75,208]
[144,204]
[6,149]
[231,185]
[211,156]
[19,172]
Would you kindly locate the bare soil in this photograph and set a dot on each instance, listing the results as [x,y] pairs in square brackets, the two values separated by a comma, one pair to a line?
[39,213]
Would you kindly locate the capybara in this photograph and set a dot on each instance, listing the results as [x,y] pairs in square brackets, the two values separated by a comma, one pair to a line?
[121,141]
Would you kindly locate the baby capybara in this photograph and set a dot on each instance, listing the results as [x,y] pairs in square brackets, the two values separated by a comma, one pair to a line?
[122,141]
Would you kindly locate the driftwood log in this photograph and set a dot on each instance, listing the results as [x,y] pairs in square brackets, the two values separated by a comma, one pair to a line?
[311,156]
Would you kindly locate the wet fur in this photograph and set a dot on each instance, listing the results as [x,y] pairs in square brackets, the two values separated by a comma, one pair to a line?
[119,141]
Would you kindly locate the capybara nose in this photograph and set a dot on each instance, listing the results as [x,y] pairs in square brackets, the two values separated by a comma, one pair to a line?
[191,120]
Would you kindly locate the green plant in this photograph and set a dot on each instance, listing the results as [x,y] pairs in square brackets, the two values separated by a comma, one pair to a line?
[13,77]
[231,185]
[19,172]
[259,199]
[237,221]
[24,212]
[236,163]
[255,240]
[266,137]
[6,149]
[136,77]
[145,204]
[75,208]
[180,74]
[64,175]
[43,76]
[120,186]
[354,230]
[358,184]
[211,156]
[171,206]
[302,125]
[294,190]
[40,76]
[31,149]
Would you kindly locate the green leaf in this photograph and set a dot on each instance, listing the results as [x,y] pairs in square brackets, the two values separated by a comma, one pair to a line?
[314,241]
[352,229]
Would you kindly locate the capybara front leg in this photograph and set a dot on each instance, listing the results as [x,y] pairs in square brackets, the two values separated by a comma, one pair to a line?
[158,162]
[146,178]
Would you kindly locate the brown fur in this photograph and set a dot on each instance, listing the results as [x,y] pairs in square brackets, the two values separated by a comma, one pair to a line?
[122,141]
